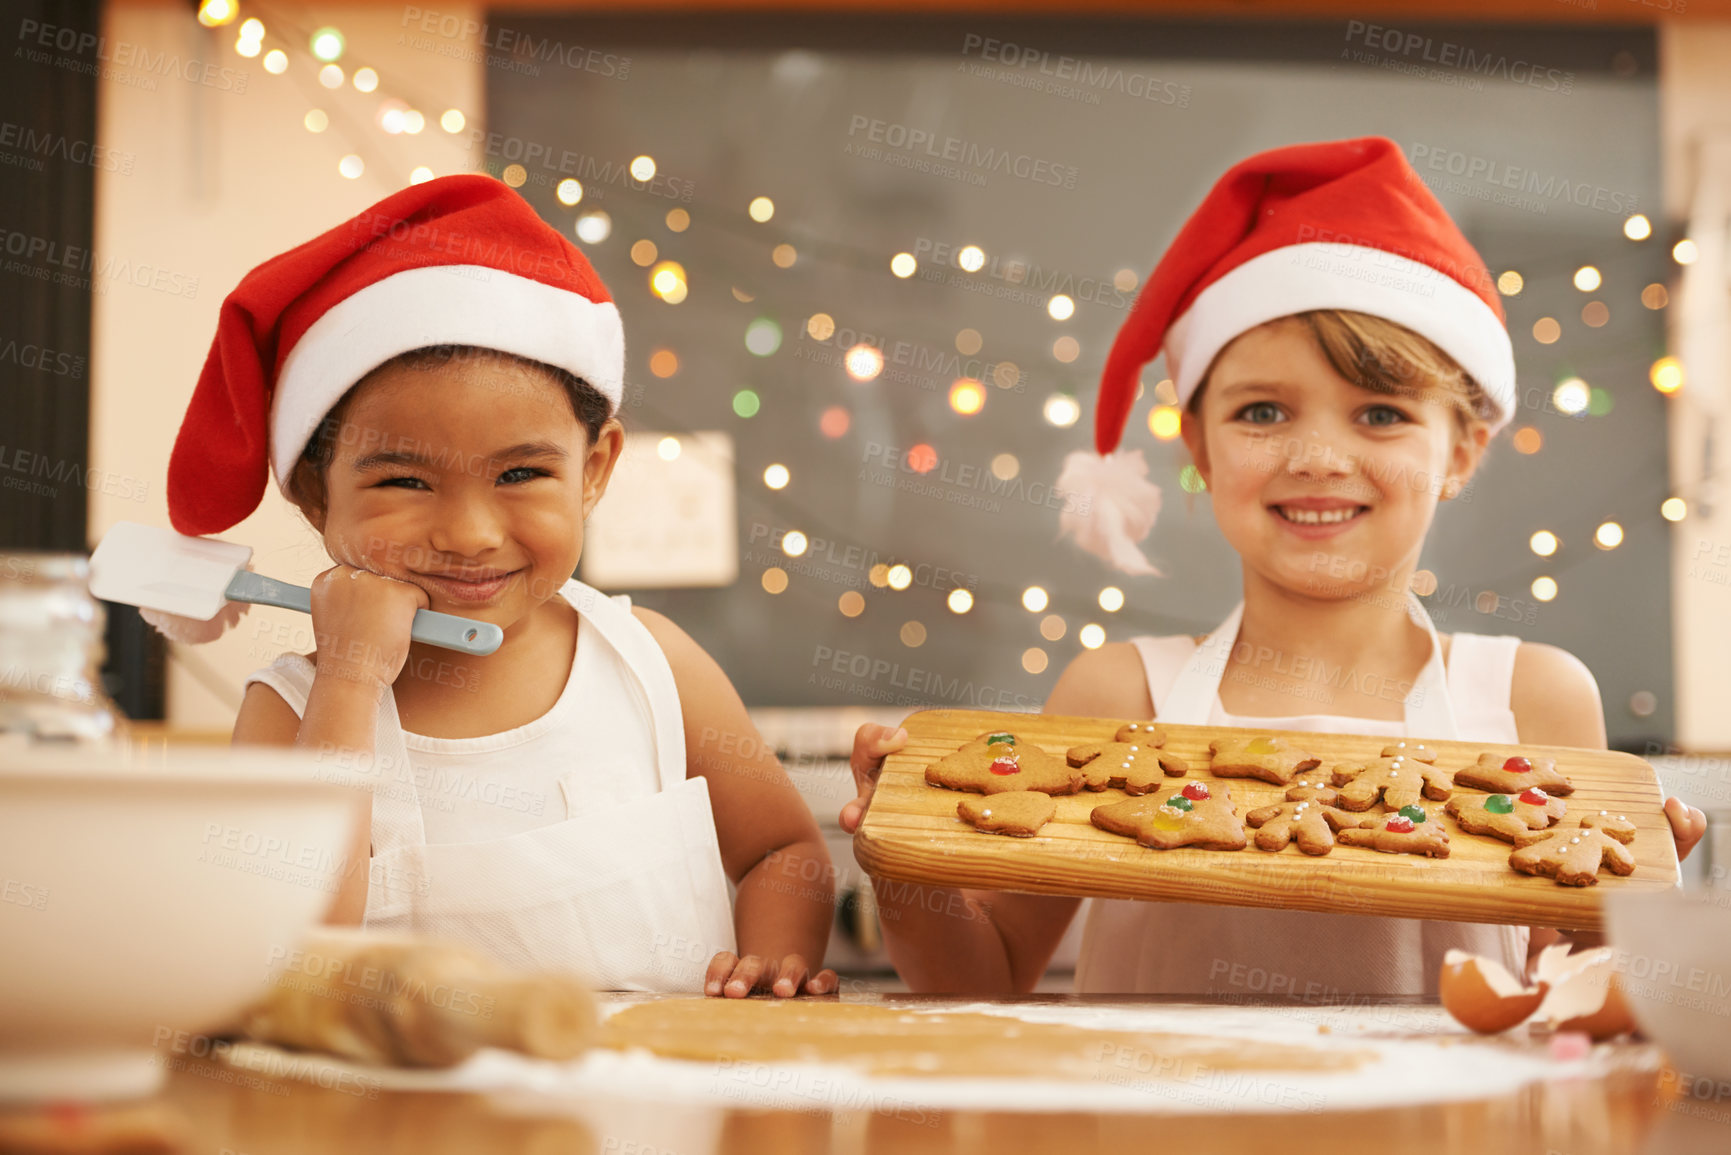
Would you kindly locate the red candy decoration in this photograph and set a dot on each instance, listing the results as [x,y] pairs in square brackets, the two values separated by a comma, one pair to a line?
[1196,791]
[1400,824]
[1518,765]
[1005,766]
[1533,796]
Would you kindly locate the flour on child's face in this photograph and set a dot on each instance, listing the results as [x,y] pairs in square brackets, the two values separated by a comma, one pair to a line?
[466,479]
[1323,487]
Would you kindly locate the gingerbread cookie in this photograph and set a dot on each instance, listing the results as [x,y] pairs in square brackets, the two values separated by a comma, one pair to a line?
[1271,759]
[1400,777]
[1199,815]
[997,763]
[1518,818]
[1409,830]
[1132,760]
[1307,817]
[1573,857]
[1500,775]
[1018,813]
[1617,826]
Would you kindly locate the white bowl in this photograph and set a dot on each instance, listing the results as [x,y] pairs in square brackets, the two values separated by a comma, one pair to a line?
[146,894]
[1673,964]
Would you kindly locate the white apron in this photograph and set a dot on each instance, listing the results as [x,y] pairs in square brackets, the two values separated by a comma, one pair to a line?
[1184,948]
[632,897]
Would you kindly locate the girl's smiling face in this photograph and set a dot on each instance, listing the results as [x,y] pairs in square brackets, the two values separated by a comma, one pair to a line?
[1323,486]
[470,479]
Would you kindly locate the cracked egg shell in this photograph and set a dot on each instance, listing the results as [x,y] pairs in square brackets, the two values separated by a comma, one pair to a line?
[1584,995]
[1482,995]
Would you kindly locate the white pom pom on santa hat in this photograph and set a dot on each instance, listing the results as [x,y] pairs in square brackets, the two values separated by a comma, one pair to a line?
[1343,224]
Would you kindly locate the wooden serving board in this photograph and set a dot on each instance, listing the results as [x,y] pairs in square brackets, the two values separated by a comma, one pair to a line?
[911,834]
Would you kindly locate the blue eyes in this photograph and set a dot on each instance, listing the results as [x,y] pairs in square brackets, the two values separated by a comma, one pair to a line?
[1268,413]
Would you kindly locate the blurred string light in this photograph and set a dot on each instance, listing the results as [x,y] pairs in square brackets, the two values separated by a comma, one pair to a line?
[1164,422]
[643,168]
[776,476]
[331,76]
[1673,509]
[1061,307]
[668,449]
[1111,599]
[784,255]
[678,220]
[762,337]
[276,62]
[569,191]
[904,265]
[1544,543]
[1685,251]
[248,48]
[794,543]
[594,226]
[421,175]
[351,166]
[667,281]
[746,403]
[960,601]
[364,79]
[820,326]
[316,120]
[1587,278]
[1544,588]
[1061,410]
[1666,375]
[1638,228]
[1092,636]
[967,397]
[1034,599]
[1510,283]
[1571,396]
[327,45]
[761,209]
[899,577]
[863,362]
[1609,535]
[252,29]
[216,13]
[453,120]
[971,258]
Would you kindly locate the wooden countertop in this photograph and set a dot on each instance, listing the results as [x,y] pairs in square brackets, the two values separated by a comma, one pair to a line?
[212,1109]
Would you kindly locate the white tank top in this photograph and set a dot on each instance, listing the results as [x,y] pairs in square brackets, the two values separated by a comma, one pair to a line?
[1182,948]
[594,749]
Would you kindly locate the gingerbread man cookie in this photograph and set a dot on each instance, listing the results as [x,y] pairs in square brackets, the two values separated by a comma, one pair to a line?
[1271,759]
[1518,818]
[1500,775]
[1409,830]
[1199,815]
[1573,857]
[1307,817]
[1018,813]
[1400,777]
[997,763]
[1132,760]
[1617,826]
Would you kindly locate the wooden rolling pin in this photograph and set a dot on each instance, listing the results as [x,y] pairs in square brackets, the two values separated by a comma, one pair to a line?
[408,1002]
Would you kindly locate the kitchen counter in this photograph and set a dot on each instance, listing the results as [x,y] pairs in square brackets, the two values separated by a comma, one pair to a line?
[1624,1101]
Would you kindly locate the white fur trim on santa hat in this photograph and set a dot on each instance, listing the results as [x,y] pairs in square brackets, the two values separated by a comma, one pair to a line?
[439,305]
[1299,278]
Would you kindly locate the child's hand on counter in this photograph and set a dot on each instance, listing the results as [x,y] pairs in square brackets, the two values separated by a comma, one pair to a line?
[871,745]
[1688,825]
[732,977]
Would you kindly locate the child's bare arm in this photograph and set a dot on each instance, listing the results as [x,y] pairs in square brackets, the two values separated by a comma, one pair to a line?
[770,844]
[362,628]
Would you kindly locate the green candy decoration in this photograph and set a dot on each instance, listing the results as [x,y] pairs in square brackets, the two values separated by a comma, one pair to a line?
[1416,813]
[1499,804]
[1178,802]
[994,739]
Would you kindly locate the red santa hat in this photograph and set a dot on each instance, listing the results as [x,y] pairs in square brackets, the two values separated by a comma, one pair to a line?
[1343,224]
[461,260]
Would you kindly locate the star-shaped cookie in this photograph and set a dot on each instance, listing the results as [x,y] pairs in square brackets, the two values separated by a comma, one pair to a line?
[1515,818]
[1307,817]
[1271,759]
[1018,813]
[1132,760]
[1399,778]
[1409,830]
[1200,815]
[1500,774]
[998,763]
[1573,857]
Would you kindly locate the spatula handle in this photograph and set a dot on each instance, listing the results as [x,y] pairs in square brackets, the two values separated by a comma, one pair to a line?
[449,631]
